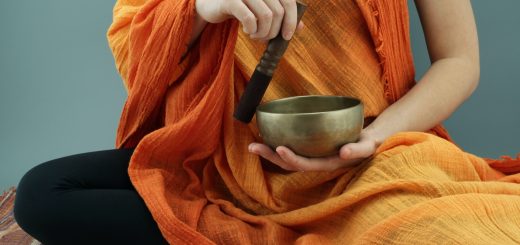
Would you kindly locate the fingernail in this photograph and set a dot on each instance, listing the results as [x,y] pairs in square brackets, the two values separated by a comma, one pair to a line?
[250,148]
[287,35]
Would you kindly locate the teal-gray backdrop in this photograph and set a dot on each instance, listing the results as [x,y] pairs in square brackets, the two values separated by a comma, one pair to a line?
[60,93]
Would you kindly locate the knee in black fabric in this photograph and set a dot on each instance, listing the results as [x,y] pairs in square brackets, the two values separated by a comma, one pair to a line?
[32,199]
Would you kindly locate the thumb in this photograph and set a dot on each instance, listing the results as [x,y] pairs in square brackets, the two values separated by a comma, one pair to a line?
[361,149]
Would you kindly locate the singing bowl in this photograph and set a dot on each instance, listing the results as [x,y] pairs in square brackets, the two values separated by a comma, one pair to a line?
[311,126]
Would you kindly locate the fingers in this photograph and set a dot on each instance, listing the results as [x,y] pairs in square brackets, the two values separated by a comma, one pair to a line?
[301,25]
[289,20]
[291,159]
[264,19]
[264,16]
[287,159]
[243,14]
[309,164]
[270,155]
[278,15]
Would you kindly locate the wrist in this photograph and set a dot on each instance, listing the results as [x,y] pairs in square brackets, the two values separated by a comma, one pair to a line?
[375,135]
[209,12]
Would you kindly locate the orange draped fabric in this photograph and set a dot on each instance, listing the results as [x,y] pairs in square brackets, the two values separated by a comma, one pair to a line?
[191,164]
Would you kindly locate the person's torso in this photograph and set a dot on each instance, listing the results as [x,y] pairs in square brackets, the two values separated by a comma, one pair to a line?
[333,55]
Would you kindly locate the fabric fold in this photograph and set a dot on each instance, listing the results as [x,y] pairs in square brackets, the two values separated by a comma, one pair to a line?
[148,39]
[191,164]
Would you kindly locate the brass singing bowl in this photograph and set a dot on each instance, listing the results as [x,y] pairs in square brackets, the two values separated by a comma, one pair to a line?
[311,126]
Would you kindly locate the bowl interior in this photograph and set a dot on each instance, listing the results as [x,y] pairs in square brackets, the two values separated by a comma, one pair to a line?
[308,104]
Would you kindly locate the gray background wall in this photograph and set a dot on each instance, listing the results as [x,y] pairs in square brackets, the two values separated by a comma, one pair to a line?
[60,93]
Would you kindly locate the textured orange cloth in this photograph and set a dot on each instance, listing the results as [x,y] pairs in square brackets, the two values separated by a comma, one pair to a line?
[191,164]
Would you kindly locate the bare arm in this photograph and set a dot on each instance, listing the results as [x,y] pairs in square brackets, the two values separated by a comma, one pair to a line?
[451,36]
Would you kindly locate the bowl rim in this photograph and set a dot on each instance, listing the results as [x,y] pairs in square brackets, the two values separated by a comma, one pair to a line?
[260,107]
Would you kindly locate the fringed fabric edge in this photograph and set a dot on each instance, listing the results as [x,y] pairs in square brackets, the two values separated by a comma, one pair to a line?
[379,46]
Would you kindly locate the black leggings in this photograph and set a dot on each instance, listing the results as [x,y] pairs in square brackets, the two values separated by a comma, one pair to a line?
[84,199]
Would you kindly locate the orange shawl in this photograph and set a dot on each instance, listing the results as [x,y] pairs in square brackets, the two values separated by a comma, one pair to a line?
[193,171]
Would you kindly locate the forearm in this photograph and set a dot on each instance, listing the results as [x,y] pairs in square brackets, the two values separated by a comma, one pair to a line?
[444,87]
